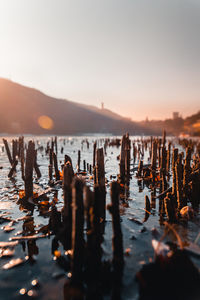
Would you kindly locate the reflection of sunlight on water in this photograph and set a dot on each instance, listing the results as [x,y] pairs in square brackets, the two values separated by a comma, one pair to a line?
[45,122]
[6,205]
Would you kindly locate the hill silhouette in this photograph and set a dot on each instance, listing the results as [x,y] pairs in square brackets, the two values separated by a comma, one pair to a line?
[21,107]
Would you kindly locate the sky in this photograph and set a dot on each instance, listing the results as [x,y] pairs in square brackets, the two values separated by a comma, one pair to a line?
[140,57]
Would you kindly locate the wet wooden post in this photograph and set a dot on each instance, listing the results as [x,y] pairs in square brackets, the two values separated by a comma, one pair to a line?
[94,154]
[122,160]
[117,241]
[118,255]
[147,208]
[186,172]
[153,159]
[50,165]
[8,151]
[36,167]
[15,156]
[22,158]
[20,145]
[56,145]
[52,145]
[153,198]
[195,188]
[168,159]
[134,153]
[100,179]
[94,235]
[127,159]
[95,175]
[154,155]
[90,169]
[159,152]
[13,169]
[170,208]
[77,229]
[30,157]
[140,168]
[68,160]
[79,160]
[89,208]
[164,138]
[174,160]
[68,176]
[84,165]
[179,183]
[163,161]
[55,162]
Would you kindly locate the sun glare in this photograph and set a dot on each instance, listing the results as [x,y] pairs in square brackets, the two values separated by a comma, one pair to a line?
[45,122]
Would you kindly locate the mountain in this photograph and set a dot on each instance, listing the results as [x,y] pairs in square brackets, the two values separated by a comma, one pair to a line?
[104,112]
[21,109]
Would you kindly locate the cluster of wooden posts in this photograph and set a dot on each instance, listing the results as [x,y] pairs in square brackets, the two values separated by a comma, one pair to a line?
[164,162]
[83,205]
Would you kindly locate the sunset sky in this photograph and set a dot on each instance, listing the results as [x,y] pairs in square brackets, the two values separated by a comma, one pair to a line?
[140,57]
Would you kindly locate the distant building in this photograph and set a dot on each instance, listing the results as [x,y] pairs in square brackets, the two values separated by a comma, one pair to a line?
[175,115]
[102,105]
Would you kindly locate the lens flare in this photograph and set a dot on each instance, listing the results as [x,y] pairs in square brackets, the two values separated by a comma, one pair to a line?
[45,122]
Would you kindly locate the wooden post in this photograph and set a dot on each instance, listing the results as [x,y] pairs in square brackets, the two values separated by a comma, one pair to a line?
[14,150]
[13,169]
[122,160]
[168,158]
[134,153]
[94,233]
[77,229]
[36,167]
[140,168]
[55,162]
[30,157]
[163,161]
[170,208]
[56,145]
[147,208]
[164,139]
[127,159]
[117,240]
[153,198]
[174,160]
[154,155]
[22,159]
[68,175]
[84,165]
[8,151]
[100,179]
[94,154]
[79,160]
[186,172]
[179,183]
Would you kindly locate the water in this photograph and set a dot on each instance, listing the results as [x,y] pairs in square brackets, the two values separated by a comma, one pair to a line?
[136,237]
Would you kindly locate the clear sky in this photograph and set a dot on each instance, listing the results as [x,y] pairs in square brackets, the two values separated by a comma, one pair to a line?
[140,57]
